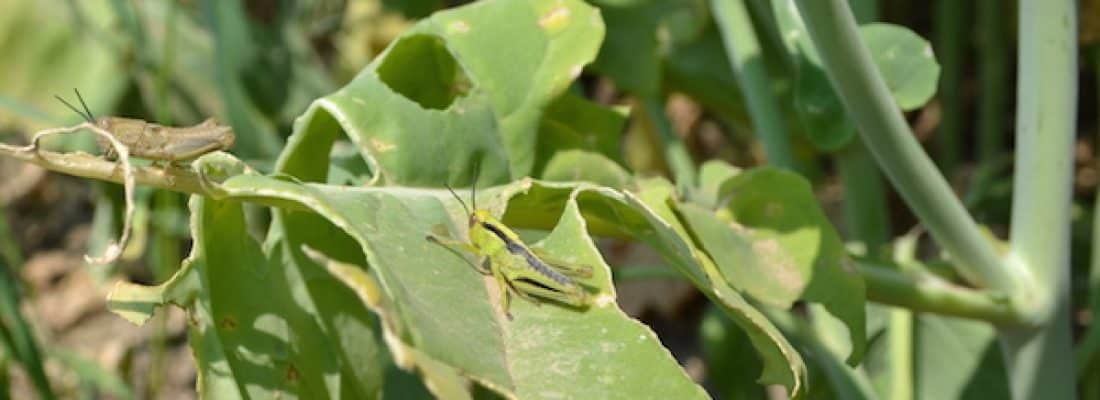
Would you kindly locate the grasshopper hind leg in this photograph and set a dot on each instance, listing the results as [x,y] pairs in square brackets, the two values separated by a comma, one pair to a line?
[569,269]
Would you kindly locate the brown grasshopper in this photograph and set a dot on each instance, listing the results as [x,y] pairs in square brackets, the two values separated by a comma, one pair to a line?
[157,142]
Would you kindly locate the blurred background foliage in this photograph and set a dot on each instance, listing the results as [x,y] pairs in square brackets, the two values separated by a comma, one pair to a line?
[665,68]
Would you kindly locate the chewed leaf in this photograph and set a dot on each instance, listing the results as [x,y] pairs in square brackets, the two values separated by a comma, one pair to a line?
[596,349]
[252,336]
[439,101]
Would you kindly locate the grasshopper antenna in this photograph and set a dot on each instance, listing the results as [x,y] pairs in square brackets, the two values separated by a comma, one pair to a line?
[463,203]
[91,118]
[76,110]
[86,114]
[473,189]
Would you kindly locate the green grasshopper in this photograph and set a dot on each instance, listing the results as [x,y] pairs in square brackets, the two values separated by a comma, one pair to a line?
[157,142]
[529,273]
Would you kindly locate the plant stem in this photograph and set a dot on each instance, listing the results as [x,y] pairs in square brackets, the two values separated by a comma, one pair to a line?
[746,57]
[867,219]
[994,79]
[89,166]
[921,291]
[676,153]
[901,354]
[950,36]
[1040,361]
[888,136]
[865,213]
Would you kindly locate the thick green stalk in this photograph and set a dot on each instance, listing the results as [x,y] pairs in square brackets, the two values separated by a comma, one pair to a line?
[993,67]
[888,136]
[865,213]
[743,49]
[901,354]
[922,291]
[950,43]
[1040,361]
[868,220]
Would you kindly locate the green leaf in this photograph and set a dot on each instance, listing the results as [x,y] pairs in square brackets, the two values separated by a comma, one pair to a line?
[579,165]
[759,267]
[815,102]
[771,240]
[630,54]
[575,123]
[440,97]
[420,126]
[782,364]
[595,350]
[639,34]
[905,61]
[600,351]
[262,325]
[712,175]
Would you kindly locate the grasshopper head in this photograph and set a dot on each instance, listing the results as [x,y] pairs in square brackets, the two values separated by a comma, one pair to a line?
[479,216]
